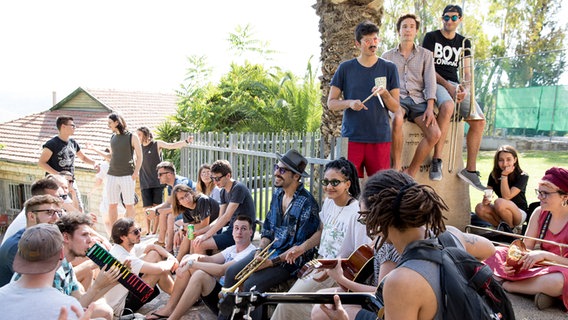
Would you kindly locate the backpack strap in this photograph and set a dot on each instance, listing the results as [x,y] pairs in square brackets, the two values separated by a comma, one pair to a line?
[429,250]
[447,240]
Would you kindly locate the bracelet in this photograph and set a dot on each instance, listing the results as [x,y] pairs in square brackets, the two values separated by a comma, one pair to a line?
[187,140]
[503,176]
[157,212]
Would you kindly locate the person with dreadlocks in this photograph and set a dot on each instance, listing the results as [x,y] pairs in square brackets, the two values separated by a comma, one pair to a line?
[406,213]
[339,233]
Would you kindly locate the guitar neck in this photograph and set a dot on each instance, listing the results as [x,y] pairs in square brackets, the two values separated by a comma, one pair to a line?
[228,301]
[365,300]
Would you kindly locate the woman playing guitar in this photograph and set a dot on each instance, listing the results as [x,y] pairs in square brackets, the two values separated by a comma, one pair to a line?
[340,233]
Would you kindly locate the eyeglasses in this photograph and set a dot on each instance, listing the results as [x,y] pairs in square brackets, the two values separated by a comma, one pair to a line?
[544,194]
[136,231]
[281,170]
[49,212]
[454,18]
[71,181]
[370,40]
[363,216]
[334,182]
[162,173]
[217,179]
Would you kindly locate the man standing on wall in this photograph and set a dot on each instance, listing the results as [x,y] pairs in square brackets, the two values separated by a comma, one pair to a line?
[366,125]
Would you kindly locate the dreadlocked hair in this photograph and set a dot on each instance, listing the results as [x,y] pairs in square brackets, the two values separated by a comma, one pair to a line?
[395,199]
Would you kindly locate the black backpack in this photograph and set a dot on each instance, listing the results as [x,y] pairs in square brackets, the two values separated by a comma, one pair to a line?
[468,288]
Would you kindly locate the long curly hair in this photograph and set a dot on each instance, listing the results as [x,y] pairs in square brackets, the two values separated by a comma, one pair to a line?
[395,199]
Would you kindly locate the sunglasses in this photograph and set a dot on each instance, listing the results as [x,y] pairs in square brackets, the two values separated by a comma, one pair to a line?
[49,212]
[217,179]
[281,170]
[63,196]
[136,231]
[334,182]
[453,18]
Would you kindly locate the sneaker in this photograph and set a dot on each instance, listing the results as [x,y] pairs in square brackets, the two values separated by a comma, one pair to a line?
[504,226]
[543,301]
[436,169]
[472,178]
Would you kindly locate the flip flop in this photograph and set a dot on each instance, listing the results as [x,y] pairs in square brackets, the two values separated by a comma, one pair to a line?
[157,316]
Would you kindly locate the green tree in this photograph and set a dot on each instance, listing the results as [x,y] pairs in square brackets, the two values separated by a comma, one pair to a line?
[250,97]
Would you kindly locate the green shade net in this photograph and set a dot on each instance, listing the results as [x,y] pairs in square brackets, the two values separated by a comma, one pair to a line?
[540,108]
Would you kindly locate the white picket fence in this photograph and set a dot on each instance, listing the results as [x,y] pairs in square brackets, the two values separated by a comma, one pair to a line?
[253,155]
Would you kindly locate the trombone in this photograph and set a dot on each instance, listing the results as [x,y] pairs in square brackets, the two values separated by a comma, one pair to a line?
[473,114]
[250,268]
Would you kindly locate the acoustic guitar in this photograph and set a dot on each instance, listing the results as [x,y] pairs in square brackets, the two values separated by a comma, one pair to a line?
[238,305]
[357,267]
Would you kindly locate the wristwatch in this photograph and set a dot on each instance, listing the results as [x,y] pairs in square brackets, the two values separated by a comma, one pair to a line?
[276,261]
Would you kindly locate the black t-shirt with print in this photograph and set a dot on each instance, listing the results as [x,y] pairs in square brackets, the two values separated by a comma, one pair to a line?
[446,53]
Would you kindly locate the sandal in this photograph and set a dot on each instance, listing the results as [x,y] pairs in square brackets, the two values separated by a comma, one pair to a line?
[157,316]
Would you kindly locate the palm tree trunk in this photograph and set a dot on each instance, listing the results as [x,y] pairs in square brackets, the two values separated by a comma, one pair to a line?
[338,19]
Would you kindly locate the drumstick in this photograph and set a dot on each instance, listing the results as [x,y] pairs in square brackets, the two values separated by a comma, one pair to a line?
[369,98]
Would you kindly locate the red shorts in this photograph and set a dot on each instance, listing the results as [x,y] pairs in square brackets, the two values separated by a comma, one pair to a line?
[372,157]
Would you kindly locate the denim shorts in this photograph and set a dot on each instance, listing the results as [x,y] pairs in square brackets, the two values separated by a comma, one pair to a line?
[442,96]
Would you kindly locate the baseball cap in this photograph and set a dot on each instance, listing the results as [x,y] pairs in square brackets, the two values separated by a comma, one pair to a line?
[39,249]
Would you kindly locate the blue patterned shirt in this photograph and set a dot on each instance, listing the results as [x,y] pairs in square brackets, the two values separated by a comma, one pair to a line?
[292,228]
[65,279]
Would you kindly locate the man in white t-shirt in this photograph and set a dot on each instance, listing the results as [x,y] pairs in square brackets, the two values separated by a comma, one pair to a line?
[152,263]
[40,252]
[201,276]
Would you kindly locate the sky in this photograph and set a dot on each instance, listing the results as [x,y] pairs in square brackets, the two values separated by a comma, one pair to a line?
[58,46]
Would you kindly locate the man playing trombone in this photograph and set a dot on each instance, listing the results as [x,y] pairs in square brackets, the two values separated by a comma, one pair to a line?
[284,247]
[452,51]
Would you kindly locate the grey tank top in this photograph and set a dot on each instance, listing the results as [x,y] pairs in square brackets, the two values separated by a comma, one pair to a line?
[121,163]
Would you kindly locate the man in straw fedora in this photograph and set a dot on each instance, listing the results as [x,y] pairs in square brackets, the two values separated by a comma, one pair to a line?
[292,219]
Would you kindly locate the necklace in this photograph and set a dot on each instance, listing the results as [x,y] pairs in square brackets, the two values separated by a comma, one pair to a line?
[334,220]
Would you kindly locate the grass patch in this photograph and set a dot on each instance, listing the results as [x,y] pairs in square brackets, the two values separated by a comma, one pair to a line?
[534,163]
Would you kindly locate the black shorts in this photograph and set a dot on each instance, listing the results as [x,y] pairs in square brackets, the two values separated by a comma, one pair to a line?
[212,300]
[152,196]
[133,303]
[224,240]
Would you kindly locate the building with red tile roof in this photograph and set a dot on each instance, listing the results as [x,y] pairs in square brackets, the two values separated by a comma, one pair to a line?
[21,140]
